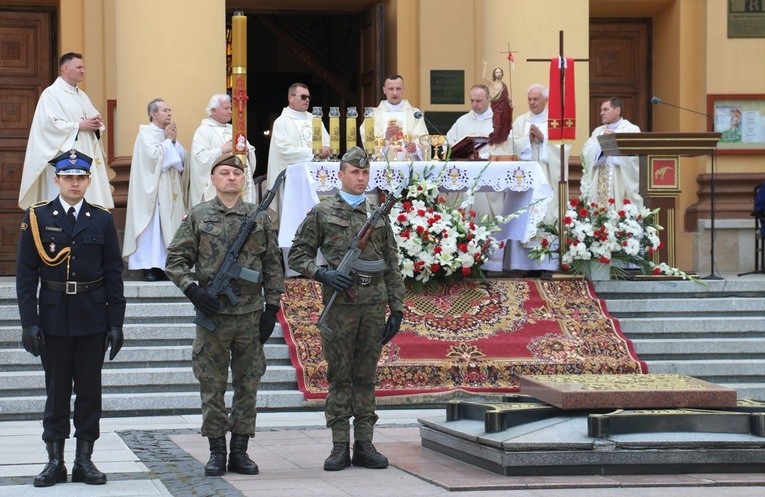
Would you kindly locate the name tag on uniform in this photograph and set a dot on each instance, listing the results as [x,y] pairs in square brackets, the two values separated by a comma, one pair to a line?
[52,228]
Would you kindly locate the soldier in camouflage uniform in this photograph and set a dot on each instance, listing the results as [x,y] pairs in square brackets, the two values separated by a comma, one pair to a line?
[202,241]
[358,324]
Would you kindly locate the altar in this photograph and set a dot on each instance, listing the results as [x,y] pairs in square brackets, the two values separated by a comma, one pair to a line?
[522,183]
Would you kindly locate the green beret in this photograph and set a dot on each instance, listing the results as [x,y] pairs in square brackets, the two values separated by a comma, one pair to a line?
[228,160]
[356,157]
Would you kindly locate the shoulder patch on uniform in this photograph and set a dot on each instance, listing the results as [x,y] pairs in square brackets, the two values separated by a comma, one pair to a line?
[101,207]
[24,226]
[39,204]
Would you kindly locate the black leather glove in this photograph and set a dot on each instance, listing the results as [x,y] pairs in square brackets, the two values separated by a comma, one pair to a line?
[114,337]
[202,300]
[338,281]
[33,339]
[392,326]
[268,322]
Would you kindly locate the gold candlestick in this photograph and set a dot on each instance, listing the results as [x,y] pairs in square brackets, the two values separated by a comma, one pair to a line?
[350,127]
[317,134]
[334,132]
[369,130]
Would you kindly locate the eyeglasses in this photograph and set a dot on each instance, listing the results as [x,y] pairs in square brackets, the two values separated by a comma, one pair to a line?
[302,97]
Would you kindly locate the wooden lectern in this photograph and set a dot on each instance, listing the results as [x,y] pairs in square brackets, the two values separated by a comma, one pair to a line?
[468,148]
[660,172]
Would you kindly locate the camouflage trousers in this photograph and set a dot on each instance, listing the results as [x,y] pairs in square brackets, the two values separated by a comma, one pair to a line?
[352,355]
[235,342]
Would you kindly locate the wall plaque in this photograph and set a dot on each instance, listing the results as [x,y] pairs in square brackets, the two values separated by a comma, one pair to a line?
[447,87]
[746,18]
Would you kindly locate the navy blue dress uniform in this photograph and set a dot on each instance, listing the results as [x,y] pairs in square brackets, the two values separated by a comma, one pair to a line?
[78,314]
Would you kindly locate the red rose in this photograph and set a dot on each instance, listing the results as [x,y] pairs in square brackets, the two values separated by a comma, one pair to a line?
[567,220]
[502,244]
[435,267]
[420,230]
[406,205]
[421,212]
[401,218]
[438,249]
[574,202]
[565,267]
[622,214]
[463,247]
[545,243]
[604,260]
[583,212]
[626,201]
[611,201]
[431,221]
[466,271]
[472,213]
[441,200]
[657,270]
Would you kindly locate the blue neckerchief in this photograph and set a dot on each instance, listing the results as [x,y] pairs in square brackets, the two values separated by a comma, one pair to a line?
[353,200]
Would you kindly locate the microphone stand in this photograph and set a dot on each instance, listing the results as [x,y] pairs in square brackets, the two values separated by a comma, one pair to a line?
[712,234]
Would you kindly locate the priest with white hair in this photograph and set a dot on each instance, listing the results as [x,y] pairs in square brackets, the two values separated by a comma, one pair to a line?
[212,139]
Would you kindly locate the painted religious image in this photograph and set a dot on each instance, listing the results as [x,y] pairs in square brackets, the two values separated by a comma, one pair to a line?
[741,122]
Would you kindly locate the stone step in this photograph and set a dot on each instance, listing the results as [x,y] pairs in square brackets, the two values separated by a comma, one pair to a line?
[18,359]
[740,349]
[731,371]
[141,380]
[696,308]
[677,327]
[154,403]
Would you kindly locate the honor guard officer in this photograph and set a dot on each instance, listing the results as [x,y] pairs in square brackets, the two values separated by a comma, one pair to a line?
[70,248]
[357,324]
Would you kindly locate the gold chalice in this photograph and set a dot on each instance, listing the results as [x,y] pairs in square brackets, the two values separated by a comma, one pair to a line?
[407,141]
[379,145]
[425,145]
[437,141]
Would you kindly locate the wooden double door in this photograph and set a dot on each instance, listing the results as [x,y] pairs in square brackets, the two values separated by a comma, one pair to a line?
[27,66]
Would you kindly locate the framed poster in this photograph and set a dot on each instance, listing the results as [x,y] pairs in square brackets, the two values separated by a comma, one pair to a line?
[741,120]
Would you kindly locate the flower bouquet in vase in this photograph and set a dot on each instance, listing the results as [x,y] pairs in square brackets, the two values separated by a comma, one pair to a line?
[604,240]
[438,240]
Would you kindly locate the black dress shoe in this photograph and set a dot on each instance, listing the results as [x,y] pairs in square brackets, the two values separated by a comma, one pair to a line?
[149,275]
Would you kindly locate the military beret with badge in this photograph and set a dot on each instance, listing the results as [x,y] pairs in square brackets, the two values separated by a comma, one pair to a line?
[228,160]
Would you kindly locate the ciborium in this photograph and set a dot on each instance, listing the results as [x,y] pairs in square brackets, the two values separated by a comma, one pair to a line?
[437,141]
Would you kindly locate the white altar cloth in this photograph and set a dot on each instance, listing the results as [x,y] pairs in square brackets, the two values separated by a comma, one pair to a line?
[522,182]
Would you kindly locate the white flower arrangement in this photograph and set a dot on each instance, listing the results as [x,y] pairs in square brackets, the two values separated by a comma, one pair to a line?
[628,235]
[438,240]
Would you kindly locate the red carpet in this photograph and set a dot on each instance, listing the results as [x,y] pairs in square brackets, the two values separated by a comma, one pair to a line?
[475,335]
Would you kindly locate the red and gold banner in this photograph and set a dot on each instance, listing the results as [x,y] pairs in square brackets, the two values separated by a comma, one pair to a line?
[561,105]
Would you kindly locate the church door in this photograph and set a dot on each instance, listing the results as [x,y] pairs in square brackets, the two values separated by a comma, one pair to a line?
[620,66]
[27,67]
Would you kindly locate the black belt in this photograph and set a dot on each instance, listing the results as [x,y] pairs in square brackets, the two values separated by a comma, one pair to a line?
[73,287]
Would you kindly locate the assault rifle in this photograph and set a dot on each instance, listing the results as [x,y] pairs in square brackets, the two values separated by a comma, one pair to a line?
[229,269]
[352,263]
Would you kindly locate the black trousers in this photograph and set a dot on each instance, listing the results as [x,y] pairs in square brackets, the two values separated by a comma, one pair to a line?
[72,362]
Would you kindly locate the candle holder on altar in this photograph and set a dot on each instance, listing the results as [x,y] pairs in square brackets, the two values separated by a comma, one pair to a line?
[316,127]
[369,130]
[350,127]
[334,133]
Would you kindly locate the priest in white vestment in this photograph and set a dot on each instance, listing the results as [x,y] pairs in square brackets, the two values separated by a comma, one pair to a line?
[611,177]
[64,119]
[291,140]
[395,121]
[530,143]
[211,140]
[156,204]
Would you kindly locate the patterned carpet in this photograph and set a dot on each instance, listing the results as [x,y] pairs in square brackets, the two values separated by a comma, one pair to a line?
[475,335]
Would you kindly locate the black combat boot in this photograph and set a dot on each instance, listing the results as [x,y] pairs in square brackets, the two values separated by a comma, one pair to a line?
[83,469]
[339,458]
[55,471]
[365,454]
[216,466]
[238,460]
